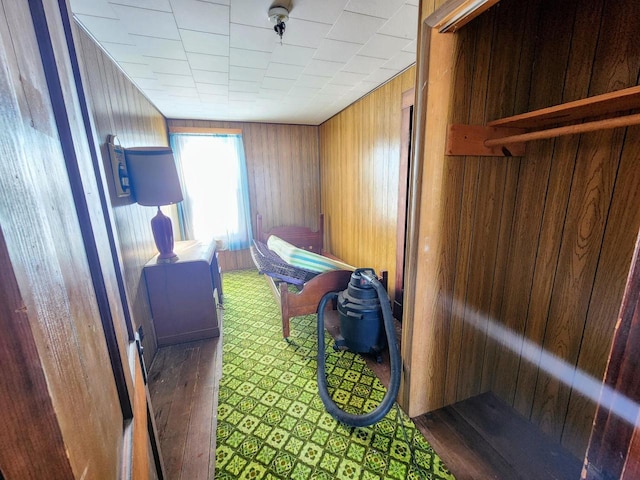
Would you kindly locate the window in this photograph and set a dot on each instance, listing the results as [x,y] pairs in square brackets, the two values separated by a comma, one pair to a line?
[213,173]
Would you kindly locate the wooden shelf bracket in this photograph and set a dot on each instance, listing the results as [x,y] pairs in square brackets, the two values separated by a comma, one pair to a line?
[508,136]
[472,140]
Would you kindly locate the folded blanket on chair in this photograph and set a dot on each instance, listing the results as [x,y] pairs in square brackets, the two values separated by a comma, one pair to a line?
[300,258]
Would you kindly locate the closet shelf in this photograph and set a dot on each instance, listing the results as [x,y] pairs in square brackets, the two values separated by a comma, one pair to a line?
[508,136]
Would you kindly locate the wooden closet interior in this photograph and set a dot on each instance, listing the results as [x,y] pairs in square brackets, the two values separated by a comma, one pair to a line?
[524,207]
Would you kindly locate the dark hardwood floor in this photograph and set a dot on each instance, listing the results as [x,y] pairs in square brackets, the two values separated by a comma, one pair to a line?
[484,438]
[479,438]
[183,384]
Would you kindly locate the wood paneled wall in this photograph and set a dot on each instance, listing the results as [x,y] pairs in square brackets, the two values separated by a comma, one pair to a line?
[359,163]
[524,260]
[118,108]
[283,172]
[61,414]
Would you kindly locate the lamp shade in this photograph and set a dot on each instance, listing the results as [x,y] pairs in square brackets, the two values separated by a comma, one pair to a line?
[153,176]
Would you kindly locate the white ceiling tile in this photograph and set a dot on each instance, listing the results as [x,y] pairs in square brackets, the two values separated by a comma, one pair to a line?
[160,47]
[155,94]
[404,23]
[323,68]
[413,2]
[270,94]
[212,63]
[355,28]
[244,73]
[106,29]
[243,86]
[289,101]
[201,16]
[162,5]
[331,90]
[292,55]
[411,47]
[213,98]
[242,107]
[151,23]
[366,87]
[147,83]
[246,12]
[375,8]
[359,91]
[281,70]
[207,88]
[205,76]
[166,65]
[326,11]
[383,46]
[124,53]
[335,50]
[277,83]
[137,70]
[208,43]
[343,102]
[299,91]
[175,80]
[93,8]
[303,33]
[252,38]
[243,96]
[313,81]
[347,78]
[249,58]
[362,64]
[400,61]
[187,92]
[381,75]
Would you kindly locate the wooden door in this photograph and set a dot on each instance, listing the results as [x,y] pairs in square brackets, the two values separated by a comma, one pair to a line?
[614,447]
[71,401]
[403,189]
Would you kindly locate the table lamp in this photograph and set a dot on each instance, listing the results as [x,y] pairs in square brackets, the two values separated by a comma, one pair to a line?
[154,182]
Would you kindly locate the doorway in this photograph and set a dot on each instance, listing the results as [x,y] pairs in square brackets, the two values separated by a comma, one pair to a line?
[403,188]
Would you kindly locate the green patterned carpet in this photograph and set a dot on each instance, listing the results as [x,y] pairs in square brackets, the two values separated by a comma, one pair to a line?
[271,421]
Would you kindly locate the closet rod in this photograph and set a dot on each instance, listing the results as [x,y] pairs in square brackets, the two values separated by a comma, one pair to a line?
[567,130]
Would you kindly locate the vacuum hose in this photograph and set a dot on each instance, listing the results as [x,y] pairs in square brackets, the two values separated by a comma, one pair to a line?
[387,402]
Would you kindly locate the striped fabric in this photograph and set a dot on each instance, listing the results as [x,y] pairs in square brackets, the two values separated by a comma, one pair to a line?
[300,258]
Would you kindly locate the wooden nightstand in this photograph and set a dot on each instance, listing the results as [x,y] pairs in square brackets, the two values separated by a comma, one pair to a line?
[184,295]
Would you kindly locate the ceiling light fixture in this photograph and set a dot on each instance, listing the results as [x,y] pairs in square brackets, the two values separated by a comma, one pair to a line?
[279,15]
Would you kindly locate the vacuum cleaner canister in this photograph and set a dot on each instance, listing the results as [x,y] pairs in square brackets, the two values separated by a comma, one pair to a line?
[361,326]
[362,305]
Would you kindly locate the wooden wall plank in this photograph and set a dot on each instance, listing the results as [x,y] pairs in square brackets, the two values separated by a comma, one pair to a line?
[575,86]
[50,261]
[118,108]
[613,265]
[518,92]
[546,86]
[359,164]
[588,214]
[23,392]
[494,82]
[461,211]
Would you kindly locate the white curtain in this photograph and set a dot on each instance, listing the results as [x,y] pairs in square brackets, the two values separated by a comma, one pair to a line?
[213,173]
